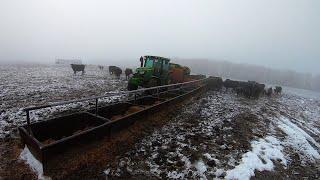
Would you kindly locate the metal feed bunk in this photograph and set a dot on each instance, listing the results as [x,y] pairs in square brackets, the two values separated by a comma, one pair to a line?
[46,139]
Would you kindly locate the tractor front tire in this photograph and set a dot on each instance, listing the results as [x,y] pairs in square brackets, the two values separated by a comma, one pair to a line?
[132,87]
[152,83]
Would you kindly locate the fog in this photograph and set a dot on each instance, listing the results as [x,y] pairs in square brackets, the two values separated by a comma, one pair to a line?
[275,34]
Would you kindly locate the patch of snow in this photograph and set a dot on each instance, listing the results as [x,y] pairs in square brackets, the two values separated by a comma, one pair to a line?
[209,157]
[107,171]
[219,172]
[302,92]
[305,115]
[260,158]
[33,163]
[299,139]
[201,168]
[175,175]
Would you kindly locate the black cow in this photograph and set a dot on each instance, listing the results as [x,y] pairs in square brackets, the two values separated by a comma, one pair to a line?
[215,83]
[128,72]
[250,89]
[245,88]
[257,89]
[115,70]
[78,67]
[112,69]
[278,90]
[230,84]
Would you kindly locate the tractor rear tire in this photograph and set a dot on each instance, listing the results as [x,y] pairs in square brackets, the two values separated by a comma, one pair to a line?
[152,83]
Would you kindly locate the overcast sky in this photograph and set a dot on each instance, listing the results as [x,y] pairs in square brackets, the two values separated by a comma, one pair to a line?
[273,33]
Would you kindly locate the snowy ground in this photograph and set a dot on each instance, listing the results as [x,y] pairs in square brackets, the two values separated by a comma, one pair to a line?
[219,135]
[28,85]
[228,137]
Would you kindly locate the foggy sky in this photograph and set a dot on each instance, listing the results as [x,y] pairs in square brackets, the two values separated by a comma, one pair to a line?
[274,33]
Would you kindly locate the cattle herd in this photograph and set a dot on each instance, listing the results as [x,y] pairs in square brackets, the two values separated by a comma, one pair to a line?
[249,89]
[113,70]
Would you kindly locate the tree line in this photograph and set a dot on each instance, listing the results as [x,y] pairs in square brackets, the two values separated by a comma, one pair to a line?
[250,72]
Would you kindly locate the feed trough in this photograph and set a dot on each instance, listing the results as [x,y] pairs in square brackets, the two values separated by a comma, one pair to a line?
[48,138]
[52,136]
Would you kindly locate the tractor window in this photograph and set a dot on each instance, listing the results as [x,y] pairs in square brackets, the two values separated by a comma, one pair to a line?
[166,66]
[157,64]
[148,63]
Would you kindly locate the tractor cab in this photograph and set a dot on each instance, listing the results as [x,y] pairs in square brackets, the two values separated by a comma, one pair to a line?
[159,65]
[153,71]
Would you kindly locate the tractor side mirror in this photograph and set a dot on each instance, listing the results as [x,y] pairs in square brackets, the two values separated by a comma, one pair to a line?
[141,61]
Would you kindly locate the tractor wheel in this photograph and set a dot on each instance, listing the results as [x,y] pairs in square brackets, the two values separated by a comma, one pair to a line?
[152,83]
[132,87]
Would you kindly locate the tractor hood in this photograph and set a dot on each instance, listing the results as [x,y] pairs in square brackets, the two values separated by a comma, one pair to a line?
[142,70]
[142,74]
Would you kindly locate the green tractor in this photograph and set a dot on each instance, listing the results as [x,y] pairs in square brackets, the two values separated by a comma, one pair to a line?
[153,71]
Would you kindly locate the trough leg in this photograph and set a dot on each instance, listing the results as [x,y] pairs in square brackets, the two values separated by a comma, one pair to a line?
[28,122]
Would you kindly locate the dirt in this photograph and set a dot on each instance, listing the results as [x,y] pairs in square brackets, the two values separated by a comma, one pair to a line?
[50,140]
[131,110]
[115,117]
[295,171]
[11,167]
[83,129]
[97,156]
[158,146]
[190,136]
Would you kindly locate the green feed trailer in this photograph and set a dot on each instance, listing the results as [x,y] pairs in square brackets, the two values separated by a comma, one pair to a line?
[153,71]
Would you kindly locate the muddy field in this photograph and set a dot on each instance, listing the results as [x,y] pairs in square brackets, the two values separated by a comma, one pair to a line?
[217,135]
[229,137]
[30,85]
